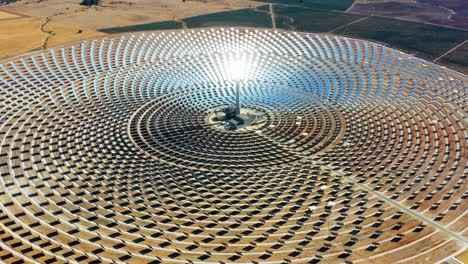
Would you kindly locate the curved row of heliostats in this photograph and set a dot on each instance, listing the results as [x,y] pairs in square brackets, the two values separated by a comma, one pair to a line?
[176,123]
[106,156]
[353,63]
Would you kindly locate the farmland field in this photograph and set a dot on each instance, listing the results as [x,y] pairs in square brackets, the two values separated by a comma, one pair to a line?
[243,18]
[341,5]
[451,13]
[458,59]
[312,20]
[144,27]
[424,40]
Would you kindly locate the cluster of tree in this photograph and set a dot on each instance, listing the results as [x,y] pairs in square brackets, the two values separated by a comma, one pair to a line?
[89,2]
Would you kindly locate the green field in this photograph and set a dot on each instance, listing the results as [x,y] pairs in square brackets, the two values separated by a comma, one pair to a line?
[242,17]
[144,27]
[340,5]
[424,40]
[458,59]
[311,20]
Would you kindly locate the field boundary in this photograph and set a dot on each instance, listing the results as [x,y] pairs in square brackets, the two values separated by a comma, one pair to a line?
[17,15]
[351,6]
[354,13]
[273,16]
[408,20]
[450,50]
[355,21]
